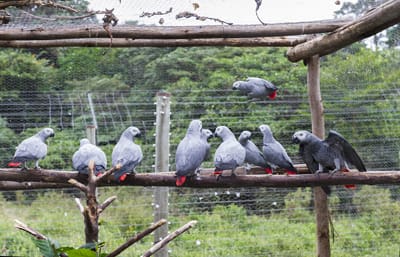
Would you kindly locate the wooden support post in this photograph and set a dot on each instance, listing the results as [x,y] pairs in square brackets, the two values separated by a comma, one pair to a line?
[91,134]
[318,128]
[162,165]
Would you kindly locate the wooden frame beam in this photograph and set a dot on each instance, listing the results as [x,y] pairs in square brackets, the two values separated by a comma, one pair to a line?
[127,42]
[175,32]
[374,21]
[203,181]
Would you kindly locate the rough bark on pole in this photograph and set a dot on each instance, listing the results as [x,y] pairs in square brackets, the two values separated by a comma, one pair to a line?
[374,21]
[15,179]
[318,128]
[175,32]
[162,165]
[129,42]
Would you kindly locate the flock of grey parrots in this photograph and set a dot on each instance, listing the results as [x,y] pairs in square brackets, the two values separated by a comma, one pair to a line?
[330,155]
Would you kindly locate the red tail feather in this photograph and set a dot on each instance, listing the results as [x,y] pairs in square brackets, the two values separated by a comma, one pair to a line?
[217,172]
[352,186]
[290,172]
[272,95]
[180,181]
[123,177]
[14,164]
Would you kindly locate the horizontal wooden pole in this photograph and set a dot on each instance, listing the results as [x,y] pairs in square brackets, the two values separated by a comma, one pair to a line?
[174,32]
[126,42]
[374,21]
[205,180]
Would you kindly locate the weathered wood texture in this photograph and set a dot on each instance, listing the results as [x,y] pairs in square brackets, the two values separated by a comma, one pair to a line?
[210,181]
[374,21]
[127,42]
[318,128]
[175,32]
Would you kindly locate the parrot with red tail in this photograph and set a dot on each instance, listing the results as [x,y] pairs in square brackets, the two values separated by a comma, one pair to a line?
[126,153]
[230,154]
[33,148]
[253,154]
[332,154]
[256,88]
[190,153]
[274,153]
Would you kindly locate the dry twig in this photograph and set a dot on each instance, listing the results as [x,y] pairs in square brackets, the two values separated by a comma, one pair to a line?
[198,17]
[136,238]
[169,238]
[151,14]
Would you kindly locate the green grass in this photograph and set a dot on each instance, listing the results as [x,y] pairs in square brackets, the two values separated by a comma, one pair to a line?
[222,231]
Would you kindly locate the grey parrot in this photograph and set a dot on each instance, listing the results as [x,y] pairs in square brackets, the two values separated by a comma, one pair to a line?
[274,153]
[230,154]
[33,148]
[126,153]
[190,153]
[206,134]
[256,88]
[253,154]
[332,154]
[87,152]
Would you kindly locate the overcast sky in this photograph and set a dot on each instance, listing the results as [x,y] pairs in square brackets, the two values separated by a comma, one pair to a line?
[235,11]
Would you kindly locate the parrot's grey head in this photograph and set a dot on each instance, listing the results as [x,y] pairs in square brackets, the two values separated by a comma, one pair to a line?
[206,134]
[265,129]
[223,132]
[301,136]
[84,141]
[134,131]
[195,126]
[236,85]
[245,135]
[46,132]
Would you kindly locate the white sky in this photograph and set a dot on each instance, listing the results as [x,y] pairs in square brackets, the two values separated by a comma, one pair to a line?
[236,11]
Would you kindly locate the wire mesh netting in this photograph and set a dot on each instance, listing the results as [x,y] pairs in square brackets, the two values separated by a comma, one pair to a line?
[69,89]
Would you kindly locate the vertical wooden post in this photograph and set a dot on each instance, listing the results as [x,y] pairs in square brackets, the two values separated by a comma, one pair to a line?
[318,128]
[162,165]
[91,134]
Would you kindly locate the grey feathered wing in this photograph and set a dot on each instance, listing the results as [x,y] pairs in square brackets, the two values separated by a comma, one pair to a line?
[189,156]
[128,155]
[338,142]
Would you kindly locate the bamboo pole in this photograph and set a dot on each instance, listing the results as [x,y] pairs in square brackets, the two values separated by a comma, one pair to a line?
[318,128]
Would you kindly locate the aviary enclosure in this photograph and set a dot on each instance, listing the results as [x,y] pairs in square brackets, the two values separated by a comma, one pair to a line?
[86,73]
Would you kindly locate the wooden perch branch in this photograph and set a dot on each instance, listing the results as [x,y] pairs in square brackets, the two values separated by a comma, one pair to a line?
[378,19]
[176,32]
[207,180]
[169,238]
[136,238]
[105,204]
[93,210]
[127,42]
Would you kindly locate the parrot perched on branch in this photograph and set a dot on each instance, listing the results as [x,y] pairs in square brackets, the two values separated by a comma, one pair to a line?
[253,155]
[33,148]
[256,88]
[87,152]
[274,153]
[230,154]
[190,153]
[330,155]
[126,153]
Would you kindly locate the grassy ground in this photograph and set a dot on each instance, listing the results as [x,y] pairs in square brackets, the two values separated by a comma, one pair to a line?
[223,231]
